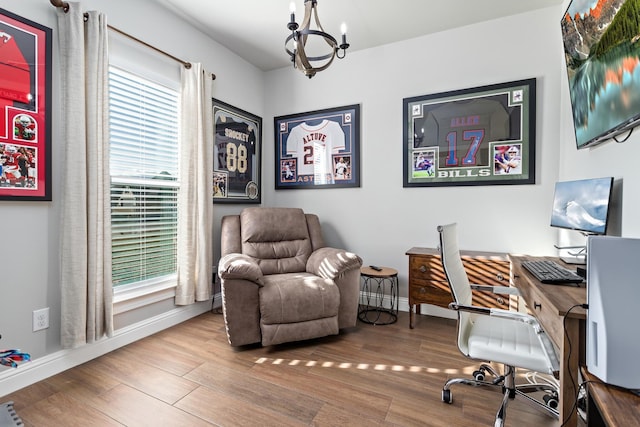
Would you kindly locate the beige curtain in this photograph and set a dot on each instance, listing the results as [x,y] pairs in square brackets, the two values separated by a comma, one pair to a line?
[85,255]
[195,197]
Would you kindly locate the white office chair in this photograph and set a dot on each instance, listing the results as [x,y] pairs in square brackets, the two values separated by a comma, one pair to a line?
[495,335]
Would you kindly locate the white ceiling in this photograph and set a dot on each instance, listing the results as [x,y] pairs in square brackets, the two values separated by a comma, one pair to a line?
[256,29]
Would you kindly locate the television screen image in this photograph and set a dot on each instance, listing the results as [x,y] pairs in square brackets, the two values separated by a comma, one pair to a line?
[602,52]
[582,205]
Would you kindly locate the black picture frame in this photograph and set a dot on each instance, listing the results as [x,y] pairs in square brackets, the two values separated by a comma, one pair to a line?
[237,155]
[297,139]
[476,136]
[25,109]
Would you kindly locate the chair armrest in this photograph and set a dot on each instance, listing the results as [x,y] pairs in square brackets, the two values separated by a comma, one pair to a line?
[497,312]
[239,266]
[505,290]
[549,350]
[516,315]
[470,308]
[552,358]
[331,262]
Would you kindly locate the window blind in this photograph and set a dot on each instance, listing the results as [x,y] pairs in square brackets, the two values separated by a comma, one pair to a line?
[144,178]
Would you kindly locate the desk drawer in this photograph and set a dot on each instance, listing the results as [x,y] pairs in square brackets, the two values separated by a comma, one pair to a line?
[429,292]
[488,272]
[426,268]
[428,283]
[547,315]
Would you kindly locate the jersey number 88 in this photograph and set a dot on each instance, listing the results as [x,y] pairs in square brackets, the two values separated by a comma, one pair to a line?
[236,158]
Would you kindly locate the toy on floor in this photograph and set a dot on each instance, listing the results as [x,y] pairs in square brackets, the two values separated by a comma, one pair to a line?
[8,415]
[12,357]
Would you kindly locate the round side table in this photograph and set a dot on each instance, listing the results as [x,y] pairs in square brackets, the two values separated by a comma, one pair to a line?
[379,296]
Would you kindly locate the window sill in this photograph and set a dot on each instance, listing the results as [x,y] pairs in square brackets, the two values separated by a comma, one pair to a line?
[132,298]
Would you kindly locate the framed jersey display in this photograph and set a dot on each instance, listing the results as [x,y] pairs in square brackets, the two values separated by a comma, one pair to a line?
[318,149]
[236,155]
[478,136]
[25,109]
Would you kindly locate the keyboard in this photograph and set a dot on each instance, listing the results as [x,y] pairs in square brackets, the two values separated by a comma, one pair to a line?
[548,271]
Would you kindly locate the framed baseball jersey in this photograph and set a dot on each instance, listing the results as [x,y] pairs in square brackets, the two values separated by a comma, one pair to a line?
[236,155]
[318,149]
[477,136]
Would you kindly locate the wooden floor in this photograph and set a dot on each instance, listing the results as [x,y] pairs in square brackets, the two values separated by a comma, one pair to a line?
[189,376]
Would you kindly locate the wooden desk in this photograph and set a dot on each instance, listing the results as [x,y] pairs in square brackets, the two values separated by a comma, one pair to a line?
[608,405]
[550,304]
[428,283]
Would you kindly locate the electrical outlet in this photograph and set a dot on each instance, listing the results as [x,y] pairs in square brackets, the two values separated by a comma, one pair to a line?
[40,319]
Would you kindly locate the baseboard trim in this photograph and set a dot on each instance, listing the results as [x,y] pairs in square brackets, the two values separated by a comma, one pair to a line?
[44,367]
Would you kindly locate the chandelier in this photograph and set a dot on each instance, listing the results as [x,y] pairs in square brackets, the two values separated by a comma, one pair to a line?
[312,50]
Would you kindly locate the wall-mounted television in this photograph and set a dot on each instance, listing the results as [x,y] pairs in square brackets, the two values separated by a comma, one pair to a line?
[582,205]
[602,56]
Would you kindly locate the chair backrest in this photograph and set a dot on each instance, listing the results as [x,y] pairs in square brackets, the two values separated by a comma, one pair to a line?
[457,279]
[279,239]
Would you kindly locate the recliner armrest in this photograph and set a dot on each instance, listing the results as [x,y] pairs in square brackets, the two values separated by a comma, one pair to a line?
[331,262]
[239,266]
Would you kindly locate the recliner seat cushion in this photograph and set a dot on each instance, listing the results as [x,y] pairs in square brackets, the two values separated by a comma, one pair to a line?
[297,297]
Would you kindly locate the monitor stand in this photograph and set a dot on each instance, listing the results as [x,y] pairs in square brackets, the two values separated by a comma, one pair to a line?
[579,257]
[579,260]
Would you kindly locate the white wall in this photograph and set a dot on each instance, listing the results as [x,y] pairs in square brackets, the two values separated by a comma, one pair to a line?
[29,255]
[381,219]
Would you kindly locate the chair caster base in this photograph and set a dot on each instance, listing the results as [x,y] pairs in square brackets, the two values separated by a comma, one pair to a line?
[551,400]
[447,397]
[478,375]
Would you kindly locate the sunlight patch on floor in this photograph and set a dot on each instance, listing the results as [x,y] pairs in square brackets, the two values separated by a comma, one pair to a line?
[468,370]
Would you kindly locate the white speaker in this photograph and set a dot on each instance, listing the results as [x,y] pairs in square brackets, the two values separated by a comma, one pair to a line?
[613,295]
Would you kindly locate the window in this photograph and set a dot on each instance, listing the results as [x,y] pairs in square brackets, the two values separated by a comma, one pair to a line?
[144,130]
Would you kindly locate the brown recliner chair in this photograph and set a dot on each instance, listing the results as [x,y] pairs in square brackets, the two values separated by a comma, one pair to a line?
[279,281]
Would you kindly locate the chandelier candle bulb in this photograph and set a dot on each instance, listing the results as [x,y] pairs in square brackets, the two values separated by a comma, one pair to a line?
[292,10]
[344,45]
[303,44]
[292,25]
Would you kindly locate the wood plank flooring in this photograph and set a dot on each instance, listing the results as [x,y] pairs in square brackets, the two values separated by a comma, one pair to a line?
[188,375]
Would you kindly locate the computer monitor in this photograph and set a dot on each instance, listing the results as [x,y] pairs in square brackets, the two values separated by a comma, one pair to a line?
[582,205]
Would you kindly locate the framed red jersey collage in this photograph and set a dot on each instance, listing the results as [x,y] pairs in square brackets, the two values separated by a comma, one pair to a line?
[25,109]
[477,136]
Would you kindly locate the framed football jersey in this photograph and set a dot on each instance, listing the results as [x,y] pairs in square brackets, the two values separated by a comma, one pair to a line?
[477,136]
[236,155]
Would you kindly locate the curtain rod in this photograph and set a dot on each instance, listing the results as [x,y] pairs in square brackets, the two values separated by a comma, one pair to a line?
[65,6]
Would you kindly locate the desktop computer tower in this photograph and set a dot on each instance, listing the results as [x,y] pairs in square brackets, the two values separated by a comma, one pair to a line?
[613,295]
